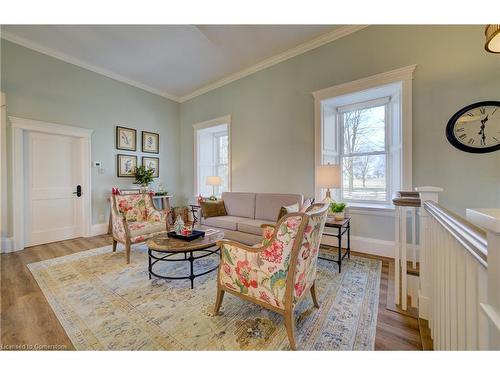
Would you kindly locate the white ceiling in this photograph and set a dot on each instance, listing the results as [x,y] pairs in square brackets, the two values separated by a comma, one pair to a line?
[176,61]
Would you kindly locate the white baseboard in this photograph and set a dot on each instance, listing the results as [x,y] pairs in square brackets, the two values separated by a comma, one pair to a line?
[368,245]
[365,245]
[6,245]
[97,229]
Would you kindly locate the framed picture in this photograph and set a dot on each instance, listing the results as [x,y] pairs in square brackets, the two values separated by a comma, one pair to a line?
[126,138]
[126,165]
[152,163]
[150,142]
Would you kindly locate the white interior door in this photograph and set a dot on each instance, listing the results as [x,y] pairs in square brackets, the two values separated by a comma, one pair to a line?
[53,211]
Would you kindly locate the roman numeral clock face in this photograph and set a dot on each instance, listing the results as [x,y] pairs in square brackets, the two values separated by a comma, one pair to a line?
[476,128]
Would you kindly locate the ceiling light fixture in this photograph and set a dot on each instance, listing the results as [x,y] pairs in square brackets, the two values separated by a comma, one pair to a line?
[492,33]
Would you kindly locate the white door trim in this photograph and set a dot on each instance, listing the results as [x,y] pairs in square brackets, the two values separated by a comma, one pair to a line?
[19,126]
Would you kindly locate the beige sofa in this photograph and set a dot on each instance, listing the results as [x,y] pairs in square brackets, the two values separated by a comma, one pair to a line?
[246,212]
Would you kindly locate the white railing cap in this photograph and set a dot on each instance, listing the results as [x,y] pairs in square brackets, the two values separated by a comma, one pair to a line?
[429,189]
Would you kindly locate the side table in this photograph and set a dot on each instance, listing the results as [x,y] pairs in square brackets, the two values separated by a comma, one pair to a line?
[342,226]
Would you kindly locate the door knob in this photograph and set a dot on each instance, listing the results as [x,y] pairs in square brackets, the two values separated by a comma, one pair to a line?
[78,191]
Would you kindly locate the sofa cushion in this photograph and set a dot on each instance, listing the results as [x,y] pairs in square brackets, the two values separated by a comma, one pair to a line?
[239,204]
[267,205]
[225,222]
[252,226]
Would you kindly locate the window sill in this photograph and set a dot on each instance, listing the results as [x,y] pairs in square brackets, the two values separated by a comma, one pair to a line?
[371,209]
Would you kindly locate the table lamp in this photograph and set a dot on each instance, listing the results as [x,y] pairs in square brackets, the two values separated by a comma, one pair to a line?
[213,181]
[328,177]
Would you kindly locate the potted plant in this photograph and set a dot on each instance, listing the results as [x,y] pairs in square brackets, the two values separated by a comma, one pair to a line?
[338,210]
[144,177]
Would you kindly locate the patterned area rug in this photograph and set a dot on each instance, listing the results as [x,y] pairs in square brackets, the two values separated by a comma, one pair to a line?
[104,304]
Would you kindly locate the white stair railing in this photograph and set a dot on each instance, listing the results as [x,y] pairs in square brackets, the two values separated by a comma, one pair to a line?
[459,277]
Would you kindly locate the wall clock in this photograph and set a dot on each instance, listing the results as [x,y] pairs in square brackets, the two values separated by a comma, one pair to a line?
[476,128]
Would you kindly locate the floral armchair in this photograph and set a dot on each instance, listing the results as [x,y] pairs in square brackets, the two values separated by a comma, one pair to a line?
[135,219]
[278,273]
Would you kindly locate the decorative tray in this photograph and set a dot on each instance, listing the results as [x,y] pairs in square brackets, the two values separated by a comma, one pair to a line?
[194,235]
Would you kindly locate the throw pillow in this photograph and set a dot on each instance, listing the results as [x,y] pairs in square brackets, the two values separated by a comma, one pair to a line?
[212,208]
[307,203]
[287,210]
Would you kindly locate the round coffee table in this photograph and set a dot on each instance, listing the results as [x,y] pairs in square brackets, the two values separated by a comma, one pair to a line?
[162,248]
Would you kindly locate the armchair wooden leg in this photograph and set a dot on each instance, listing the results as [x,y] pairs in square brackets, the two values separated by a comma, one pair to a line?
[114,245]
[290,328]
[218,300]
[127,249]
[314,296]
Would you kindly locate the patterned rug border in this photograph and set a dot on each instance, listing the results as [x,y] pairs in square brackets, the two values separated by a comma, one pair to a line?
[75,338]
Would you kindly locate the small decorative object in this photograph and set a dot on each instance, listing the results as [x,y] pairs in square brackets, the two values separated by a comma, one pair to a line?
[150,142]
[492,33]
[115,191]
[126,139]
[186,230]
[178,225]
[338,210]
[200,199]
[213,181]
[144,177]
[476,128]
[152,163]
[126,165]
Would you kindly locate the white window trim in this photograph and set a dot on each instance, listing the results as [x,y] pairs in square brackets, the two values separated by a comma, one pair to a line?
[404,75]
[204,125]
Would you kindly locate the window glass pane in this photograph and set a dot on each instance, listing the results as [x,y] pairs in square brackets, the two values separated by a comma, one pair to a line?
[364,130]
[223,149]
[364,178]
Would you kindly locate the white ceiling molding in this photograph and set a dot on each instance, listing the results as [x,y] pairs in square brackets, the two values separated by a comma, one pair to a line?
[295,51]
[82,64]
[292,52]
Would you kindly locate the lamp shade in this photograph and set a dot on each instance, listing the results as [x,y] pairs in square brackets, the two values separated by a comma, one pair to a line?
[213,180]
[328,176]
[492,33]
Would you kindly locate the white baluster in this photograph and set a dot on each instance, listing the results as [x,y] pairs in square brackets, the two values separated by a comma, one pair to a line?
[414,237]
[397,246]
[404,294]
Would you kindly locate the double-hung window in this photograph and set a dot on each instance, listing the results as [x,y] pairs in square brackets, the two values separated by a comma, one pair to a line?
[363,132]
[212,156]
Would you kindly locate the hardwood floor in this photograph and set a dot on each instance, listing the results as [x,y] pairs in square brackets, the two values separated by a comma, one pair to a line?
[27,319]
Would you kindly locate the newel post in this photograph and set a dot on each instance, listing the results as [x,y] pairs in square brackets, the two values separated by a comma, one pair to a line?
[427,193]
[489,219]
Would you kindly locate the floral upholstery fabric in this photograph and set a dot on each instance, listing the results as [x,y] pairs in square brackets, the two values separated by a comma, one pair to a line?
[132,206]
[261,275]
[137,216]
[307,259]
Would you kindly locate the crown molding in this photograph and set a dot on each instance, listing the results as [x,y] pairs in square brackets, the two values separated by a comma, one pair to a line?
[400,74]
[288,54]
[82,64]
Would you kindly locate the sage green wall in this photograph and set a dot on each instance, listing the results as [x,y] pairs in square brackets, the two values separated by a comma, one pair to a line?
[43,88]
[272,114]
